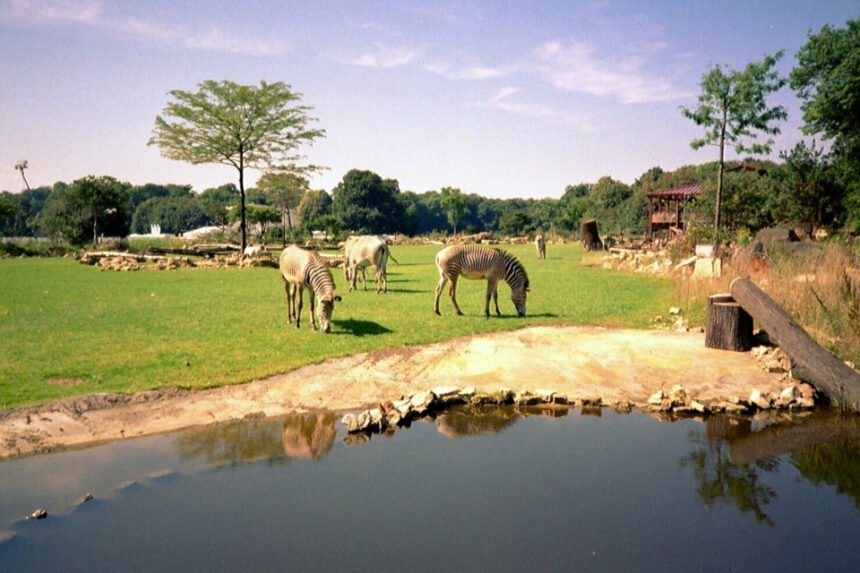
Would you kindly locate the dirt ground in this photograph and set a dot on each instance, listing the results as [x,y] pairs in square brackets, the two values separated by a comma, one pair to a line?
[581,362]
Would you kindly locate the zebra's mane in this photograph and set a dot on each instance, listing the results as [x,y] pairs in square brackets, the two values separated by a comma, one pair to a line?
[509,257]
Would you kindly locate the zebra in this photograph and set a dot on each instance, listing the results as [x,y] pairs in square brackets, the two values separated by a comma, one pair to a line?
[540,247]
[300,269]
[475,262]
[359,252]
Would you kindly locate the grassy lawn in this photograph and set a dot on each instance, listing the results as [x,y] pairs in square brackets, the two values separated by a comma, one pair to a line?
[67,328]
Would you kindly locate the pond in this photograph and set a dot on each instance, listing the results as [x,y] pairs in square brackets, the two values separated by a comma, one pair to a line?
[490,489]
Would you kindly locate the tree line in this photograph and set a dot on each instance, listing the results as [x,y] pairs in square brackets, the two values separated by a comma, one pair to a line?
[812,186]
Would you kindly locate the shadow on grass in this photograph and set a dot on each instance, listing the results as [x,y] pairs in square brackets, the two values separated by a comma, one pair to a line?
[505,316]
[359,327]
[390,290]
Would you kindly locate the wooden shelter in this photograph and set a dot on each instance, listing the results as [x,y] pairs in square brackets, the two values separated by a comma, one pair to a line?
[666,207]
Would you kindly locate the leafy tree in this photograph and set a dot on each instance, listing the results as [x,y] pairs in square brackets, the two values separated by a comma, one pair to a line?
[314,210]
[363,202]
[515,223]
[237,125]
[174,214]
[86,208]
[285,191]
[827,79]
[8,207]
[217,202]
[262,216]
[454,203]
[733,110]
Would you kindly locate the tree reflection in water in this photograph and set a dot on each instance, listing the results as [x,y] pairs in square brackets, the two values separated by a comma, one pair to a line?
[730,459]
[306,435]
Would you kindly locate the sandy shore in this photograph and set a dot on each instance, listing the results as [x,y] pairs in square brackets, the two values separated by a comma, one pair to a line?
[581,362]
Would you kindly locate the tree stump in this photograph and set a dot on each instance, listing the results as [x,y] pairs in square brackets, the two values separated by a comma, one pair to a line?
[590,237]
[730,327]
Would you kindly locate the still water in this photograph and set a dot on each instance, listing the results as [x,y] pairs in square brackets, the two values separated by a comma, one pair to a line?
[501,491]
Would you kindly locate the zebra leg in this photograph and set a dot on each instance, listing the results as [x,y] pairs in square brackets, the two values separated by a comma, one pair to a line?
[289,300]
[491,286]
[452,292]
[496,299]
[298,295]
[312,304]
[378,275]
[442,280]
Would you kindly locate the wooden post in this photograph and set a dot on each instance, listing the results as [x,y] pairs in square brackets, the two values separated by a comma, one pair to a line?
[809,361]
[730,327]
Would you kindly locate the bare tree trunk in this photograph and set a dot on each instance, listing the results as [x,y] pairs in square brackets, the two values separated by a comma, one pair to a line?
[590,237]
[809,361]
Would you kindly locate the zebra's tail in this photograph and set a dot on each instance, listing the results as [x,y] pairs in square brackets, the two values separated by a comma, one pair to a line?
[391,255]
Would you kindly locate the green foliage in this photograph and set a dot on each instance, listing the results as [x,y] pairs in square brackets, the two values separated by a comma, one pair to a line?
[365,203]
[454,203]
[285,191]
[237,125]
[315,211]
[733,110]
[71,329]
[827,79]
[87,208]
[515,223]
[809,194]
[262,216]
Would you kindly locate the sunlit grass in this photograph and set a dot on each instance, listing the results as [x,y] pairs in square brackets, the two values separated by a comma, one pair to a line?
[67,328]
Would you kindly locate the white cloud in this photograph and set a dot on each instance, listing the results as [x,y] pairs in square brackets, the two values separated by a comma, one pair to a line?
[575,66]
[386,57]
[469,73]
[502,101]
[90,14]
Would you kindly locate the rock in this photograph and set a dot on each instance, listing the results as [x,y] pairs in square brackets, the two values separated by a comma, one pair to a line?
[467,392]
[761,401]
[560,399]
[592,402]
[351,422]
[789,393]
[526,398]
[697,406]
[678,396]
[444,392]
[545,395]
[421,402]
[38,514]
[656,399]
[674,311]
[807,391]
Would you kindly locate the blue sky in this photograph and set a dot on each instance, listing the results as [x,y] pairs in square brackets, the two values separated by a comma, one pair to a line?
[503,99]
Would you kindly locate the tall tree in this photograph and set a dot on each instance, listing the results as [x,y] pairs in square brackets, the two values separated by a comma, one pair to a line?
[284,190]
[315,209]
[237,125]
[827,79]
[21,166]
[454,203]
[86,208]
[734,111]
[365,203]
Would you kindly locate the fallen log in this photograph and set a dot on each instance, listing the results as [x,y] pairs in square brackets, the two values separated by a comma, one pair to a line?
[809,361]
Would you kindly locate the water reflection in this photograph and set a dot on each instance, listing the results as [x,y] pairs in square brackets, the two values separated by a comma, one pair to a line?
[309,435]
[306,435]
[731,457]
[462,422]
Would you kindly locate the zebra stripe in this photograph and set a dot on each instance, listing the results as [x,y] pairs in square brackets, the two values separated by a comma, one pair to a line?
[300,269]
[474,262]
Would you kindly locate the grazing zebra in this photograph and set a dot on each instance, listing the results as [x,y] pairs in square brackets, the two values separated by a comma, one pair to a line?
[540,247]
[474,262]
[300,269]
[364,251]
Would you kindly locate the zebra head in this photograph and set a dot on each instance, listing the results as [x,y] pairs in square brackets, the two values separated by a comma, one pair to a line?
[518,296]
[325,306]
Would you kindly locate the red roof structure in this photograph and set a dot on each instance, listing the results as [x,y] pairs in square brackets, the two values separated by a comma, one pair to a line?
[666,207]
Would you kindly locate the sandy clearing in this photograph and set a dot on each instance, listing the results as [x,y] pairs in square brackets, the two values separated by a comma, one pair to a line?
[582,362]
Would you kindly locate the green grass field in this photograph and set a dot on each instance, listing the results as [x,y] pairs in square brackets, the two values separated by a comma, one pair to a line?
[67,328]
